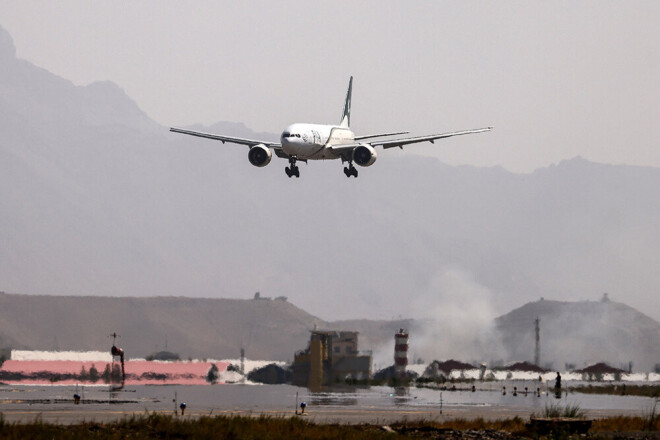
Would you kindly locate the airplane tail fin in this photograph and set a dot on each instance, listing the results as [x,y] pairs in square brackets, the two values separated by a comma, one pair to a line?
[346,115]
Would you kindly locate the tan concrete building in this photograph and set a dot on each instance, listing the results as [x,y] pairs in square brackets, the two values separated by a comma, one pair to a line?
[332,357]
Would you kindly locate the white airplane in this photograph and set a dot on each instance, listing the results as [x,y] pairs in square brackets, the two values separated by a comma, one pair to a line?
[303,142]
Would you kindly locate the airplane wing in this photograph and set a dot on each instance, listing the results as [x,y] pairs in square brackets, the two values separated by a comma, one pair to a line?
[234,140]
[413,140]
[359,138]
[346,148]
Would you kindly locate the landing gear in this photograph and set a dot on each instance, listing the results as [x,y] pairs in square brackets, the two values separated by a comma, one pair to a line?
[293,170]
[350,170]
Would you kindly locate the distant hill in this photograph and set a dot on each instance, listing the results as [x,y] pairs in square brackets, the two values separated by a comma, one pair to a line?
[582,333]
[191,327]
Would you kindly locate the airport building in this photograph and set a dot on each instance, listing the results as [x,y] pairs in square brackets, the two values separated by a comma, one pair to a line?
[331,357]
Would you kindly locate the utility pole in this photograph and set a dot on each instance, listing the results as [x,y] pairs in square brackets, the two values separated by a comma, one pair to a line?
[537,348]
[242,365]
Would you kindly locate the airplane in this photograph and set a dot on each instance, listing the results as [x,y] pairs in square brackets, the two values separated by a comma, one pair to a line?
[303,142]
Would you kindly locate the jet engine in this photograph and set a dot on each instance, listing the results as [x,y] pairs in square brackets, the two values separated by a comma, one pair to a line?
[364,155]
[260,155]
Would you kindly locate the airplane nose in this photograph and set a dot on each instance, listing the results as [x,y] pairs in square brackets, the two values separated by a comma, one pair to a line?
[288,145]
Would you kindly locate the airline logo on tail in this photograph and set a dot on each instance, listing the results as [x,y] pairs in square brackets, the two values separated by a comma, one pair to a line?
[346,115]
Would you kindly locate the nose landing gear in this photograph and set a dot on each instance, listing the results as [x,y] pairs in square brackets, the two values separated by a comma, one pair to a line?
[293,170]
[350,170]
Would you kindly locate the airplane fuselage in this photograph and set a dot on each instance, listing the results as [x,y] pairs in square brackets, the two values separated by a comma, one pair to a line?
[312,141]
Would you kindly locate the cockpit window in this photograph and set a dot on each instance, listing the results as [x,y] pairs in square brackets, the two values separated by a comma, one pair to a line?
[286,134]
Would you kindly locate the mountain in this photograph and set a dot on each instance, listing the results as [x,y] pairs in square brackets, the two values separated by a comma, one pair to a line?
[582,333]
[98,199]
[192,327]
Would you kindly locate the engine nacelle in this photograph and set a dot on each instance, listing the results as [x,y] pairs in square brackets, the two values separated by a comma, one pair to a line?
[260,155]
[364,155]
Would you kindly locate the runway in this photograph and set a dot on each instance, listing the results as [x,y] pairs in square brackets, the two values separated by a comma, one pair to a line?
[371,405]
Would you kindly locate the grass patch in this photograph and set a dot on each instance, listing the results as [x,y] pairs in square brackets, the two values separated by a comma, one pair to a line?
[170,427]
[651,417]
[151,426]
[624,424]
[460,424]
[241,427]
[568,411]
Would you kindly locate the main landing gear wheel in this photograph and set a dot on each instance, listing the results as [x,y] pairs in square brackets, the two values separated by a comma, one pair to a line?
[293,170]
[351,171]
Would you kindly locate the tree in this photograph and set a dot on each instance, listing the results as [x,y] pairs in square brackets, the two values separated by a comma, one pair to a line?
[93,374]
[116,373]
[84,375]
[213,374]
[106,374]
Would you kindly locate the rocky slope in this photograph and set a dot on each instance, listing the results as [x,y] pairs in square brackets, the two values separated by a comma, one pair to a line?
[583,333]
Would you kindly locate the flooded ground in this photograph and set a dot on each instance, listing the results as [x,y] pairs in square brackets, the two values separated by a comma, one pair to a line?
[345,405]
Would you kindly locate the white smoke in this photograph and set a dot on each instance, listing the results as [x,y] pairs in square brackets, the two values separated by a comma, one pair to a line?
[458,316]
[455,316]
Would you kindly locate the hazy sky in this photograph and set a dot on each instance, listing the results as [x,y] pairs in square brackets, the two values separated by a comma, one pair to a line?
[556,79]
